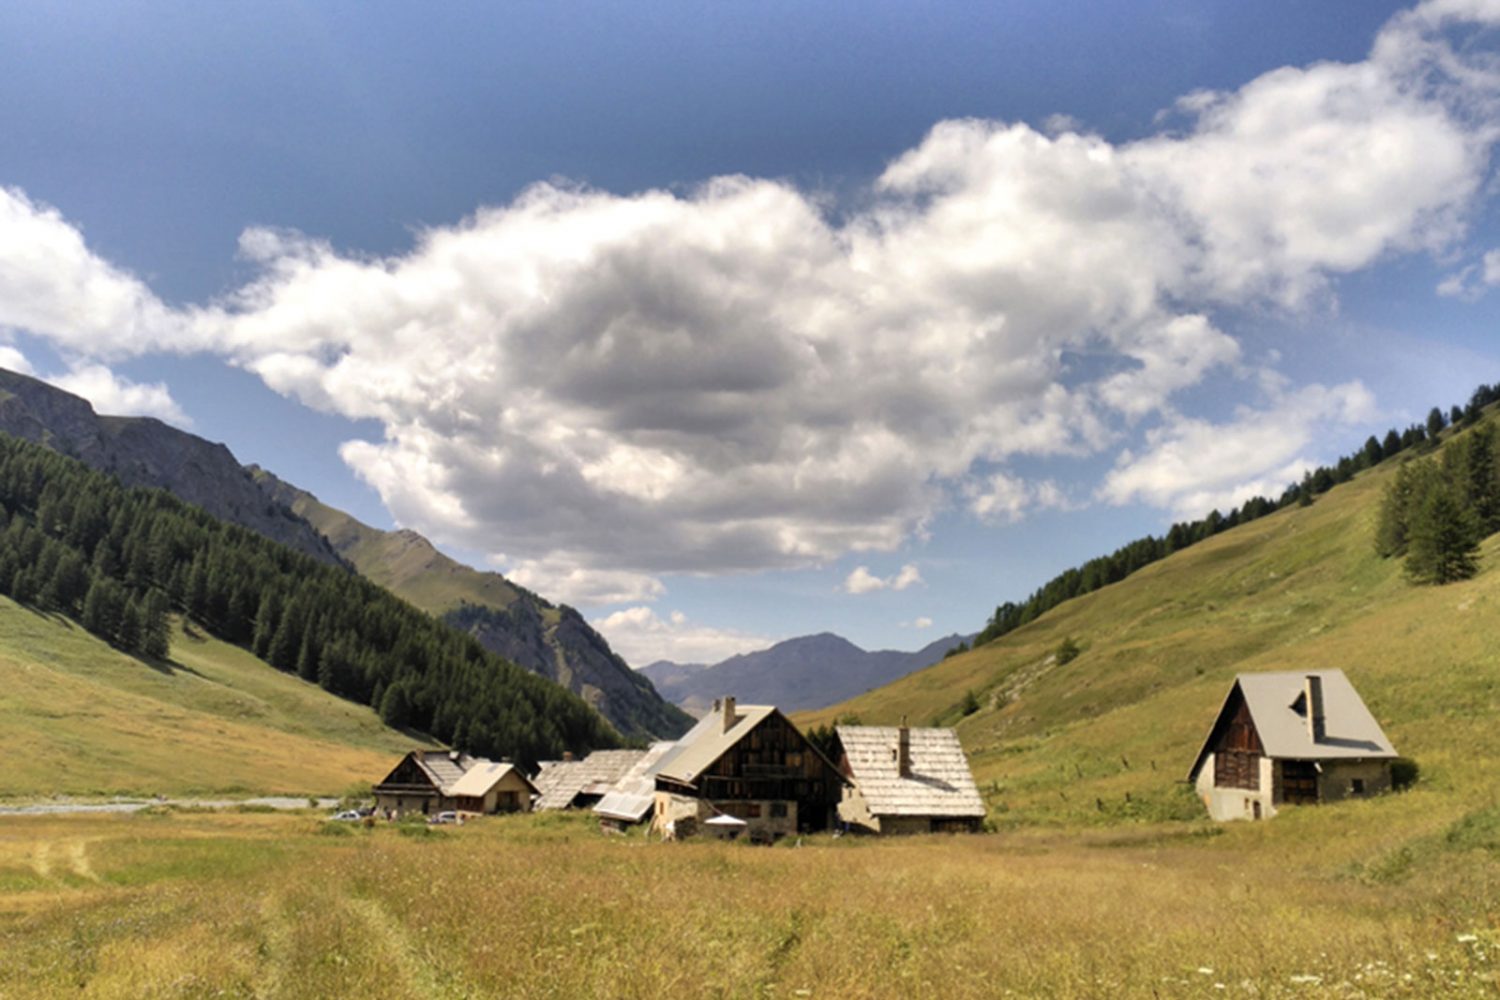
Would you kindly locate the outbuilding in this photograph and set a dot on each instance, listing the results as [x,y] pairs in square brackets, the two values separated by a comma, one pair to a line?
[433,781]
[1290,738]
[906,781]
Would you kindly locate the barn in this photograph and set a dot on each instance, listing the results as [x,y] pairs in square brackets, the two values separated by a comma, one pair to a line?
[906,781]
[750,763]
[1290,738]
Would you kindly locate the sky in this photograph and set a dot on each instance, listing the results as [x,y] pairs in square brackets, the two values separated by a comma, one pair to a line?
[728,323]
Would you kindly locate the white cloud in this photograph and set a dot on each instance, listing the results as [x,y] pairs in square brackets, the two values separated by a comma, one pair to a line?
[116,396]
[642,636]
[737,379]
[578,585]
[1006,499]
[918,623]
[12,359]
[1194,466]
[862,581]
[1471,282]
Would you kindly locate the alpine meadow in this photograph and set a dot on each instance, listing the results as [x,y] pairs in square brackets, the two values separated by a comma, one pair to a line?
[768,501]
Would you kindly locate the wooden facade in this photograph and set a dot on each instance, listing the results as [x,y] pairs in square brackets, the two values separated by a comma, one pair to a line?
[769,776]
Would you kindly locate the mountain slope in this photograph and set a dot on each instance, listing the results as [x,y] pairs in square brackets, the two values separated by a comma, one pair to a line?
[1113,732]
[798,674]
[87,719]
[553,641]
[142,451]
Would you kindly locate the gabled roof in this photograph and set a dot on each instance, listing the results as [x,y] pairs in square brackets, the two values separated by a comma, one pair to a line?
[441,768]
[939,782]
[482,776]
[562,781]
[1278,707]
[632,797]
[708,741]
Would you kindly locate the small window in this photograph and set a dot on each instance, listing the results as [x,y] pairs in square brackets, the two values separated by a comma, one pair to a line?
[1356,786]
[752,811]
[778,810]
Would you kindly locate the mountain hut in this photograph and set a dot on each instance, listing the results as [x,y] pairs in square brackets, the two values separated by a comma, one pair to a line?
[907,781]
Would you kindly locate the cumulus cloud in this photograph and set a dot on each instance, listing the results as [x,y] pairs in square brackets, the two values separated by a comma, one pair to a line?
[642,636]
[728,379]
[1471,282]
[118,396]
[920,622]
[862,581]
[1192,466]
[12,359]
[1004,498]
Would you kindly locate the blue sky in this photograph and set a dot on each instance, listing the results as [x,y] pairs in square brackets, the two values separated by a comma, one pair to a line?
[988,290]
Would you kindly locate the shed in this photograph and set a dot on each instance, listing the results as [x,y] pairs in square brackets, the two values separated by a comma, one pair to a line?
[492,787]
[1290,738]
[907,781]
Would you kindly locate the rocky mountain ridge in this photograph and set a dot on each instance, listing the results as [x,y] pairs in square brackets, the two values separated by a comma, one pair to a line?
[808,672]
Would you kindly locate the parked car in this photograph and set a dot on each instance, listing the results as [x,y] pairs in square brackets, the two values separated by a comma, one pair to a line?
[445,817]
[348,815]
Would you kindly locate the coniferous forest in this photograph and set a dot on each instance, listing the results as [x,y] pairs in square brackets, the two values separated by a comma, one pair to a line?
[119,561]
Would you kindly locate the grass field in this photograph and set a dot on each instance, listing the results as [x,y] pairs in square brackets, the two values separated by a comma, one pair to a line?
[192,904]
[80,718]
[1110,736]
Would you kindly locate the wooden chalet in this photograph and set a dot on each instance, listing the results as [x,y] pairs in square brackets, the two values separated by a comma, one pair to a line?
[434,781]
[907,781]
[1290,739]
[579,784]
[750,763]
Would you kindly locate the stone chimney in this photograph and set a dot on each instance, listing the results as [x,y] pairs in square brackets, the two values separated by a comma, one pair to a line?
[1317,724]
[567,756]
[729,718]
[903,749]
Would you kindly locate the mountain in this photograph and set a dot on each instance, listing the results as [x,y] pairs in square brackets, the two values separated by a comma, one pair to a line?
[79,547]
[143,451]
[797,674]
[1111,733]
[554,642]
[551,640]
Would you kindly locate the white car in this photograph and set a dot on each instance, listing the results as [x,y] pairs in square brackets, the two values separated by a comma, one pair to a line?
[348,815]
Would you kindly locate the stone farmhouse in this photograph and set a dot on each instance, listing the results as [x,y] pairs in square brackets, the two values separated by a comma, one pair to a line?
[1290,739]
[906,781]
[434,781]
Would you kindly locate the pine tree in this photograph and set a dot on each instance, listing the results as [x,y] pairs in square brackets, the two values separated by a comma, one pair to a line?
[1444,540]
[156,627]
[1435,423]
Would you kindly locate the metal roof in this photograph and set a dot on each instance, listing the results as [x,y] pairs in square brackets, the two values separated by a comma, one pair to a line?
[1278,707]
[562,781]
[708,741]
[938,783]
[633,796]
[482,776]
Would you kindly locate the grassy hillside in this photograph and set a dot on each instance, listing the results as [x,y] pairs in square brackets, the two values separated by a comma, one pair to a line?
[87,719]
[406,564]
[1112,733]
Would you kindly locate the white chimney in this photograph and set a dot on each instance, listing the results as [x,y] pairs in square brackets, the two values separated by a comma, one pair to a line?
[729,718]
[1317,724]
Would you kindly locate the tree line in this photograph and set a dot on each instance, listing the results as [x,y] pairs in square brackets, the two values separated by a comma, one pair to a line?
[121,560]
[1105,570]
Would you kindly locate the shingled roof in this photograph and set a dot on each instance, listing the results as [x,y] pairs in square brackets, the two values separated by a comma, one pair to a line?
[938,782]
[562,781]
[709,740]
[1278,707]
[482,776]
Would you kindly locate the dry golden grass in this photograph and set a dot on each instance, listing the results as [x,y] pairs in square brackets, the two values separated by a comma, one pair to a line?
[270,906]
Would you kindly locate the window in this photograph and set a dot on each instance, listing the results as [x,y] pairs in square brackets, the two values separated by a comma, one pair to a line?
[1356,786]
[778,810]
[752,810]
